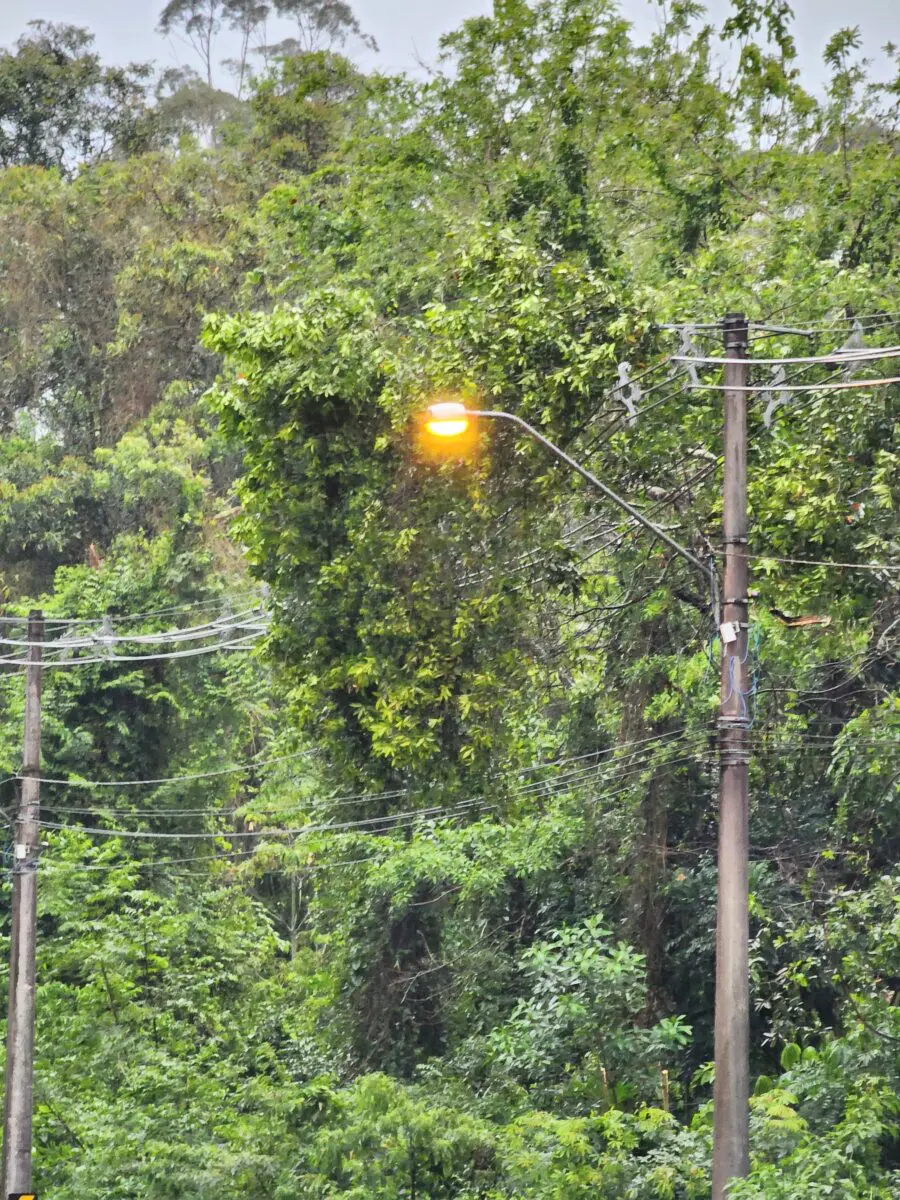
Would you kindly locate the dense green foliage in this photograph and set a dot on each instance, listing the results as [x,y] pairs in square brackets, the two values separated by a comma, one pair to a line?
[416,895]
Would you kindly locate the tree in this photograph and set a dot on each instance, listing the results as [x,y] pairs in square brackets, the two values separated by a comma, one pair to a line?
[321,25]
[186,104]
[246,17]
[60,107]
[201,21]
[304,106]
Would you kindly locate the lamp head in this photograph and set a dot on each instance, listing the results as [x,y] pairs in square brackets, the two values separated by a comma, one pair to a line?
[447,419]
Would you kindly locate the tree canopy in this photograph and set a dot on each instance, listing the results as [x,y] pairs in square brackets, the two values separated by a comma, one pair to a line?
[59,106]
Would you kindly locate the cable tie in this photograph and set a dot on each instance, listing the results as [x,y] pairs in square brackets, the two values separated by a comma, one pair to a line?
[25,864]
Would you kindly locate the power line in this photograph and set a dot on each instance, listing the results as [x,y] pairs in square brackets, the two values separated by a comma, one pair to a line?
[434,813]
[59,868]
[767,385]
[765,740]
[233,856]
[224,624]
[814,562]
[617,763]
[554,786]
[249,808]
[230,855]
[841,356]
[883,318]
[256,762]
[870,323]
[242,643]
[120,618]
[655,737]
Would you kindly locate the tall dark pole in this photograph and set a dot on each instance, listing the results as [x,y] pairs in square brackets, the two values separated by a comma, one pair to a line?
[731,1094]
[20,1025]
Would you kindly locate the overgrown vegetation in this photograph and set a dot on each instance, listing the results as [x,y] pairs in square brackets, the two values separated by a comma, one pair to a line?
[391,954]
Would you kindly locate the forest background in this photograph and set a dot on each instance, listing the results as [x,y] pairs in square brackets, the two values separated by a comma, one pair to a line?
[382,863]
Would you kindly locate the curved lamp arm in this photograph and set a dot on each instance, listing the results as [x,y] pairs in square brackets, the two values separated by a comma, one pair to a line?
[707,570]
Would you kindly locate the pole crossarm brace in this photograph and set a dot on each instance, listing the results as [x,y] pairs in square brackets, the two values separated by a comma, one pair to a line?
[705,569]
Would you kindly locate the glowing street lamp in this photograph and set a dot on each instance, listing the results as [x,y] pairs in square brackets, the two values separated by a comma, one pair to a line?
[447,419]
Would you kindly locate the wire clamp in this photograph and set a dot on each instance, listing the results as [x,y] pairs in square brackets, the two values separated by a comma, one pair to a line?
[733,722]
[24,863]
[734,541]
[734,758]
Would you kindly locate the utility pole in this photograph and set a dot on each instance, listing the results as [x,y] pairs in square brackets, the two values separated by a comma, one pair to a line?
[731,1091]
[20,1021]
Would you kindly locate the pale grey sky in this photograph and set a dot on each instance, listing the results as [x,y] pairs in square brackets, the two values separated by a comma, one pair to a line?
[407,30]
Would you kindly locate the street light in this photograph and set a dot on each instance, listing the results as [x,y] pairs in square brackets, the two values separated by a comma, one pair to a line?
[451,418]
[731,1124]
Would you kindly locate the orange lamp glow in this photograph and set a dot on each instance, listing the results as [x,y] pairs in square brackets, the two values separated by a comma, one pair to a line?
[448,419]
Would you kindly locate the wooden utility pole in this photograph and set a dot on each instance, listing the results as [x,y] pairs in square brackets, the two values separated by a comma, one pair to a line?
[731,1091]
[20,1021]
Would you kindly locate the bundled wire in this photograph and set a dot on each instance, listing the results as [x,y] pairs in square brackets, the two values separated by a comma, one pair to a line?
[376,827]
[623,768]
[248,618]
[243,641]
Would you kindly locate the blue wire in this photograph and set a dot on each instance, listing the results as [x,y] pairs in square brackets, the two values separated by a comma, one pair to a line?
[753,643]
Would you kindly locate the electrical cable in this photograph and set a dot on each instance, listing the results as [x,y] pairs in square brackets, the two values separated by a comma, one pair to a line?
[623,419]
[242,643]
[889,318]
[550,787]
[618,763]
[531,558]
[120,618]
[674,733]
[229,855]
[836,356]
[248,808]
[436,812]
[627,762]
[233,857]
[812,562]
[190,633]
[767,386]
[669,737]
[869,324]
